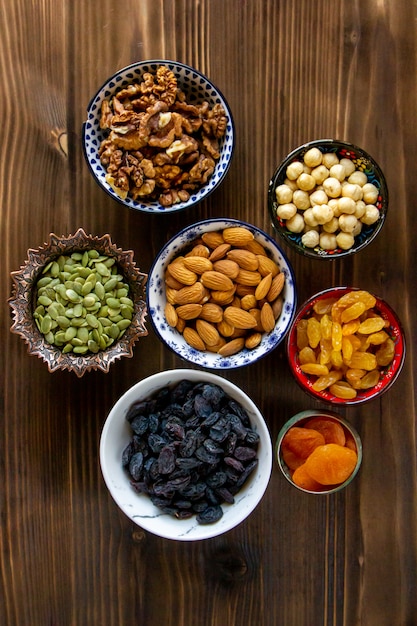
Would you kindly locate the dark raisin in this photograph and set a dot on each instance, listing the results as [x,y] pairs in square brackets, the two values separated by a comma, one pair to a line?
[217,479]
[225,495]
[166,460]
[213,394]
[136,465]
[237,465]
[244,454]
[210,515]
[127,454]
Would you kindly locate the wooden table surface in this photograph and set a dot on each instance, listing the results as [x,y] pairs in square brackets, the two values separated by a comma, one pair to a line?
[292,71]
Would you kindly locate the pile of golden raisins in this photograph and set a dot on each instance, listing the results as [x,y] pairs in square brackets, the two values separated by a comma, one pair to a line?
[344,343]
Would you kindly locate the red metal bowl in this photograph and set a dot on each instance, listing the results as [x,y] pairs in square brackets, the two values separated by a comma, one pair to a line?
[389,374]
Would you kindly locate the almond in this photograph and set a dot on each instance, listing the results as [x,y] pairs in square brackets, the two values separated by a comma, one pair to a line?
[198,264]
[199,250]
[172,282]
[245,259]
[219,252]
[191,294]
[192,337]
[248,302]
[276,287]
[189,311]
[237,235]
[181,273]
[263,288]
[239,318]
[255,247]
[227,267]
[244,290]
[223,297]
[212,239]
[171,294]
[267,318]
[211,312]
[171,315]
[232,347]
[277,306]
[216,280]
[225,329]
[216,347]
[246,277]
[257,315]
[208,333]
[253,340]
[267,266]
[181,324]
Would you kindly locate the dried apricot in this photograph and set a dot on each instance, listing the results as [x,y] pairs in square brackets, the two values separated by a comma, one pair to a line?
[332,431]
[302,441]
[301,478]
[331,464]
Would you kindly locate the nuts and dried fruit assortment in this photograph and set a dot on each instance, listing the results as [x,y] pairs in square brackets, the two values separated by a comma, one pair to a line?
[192,449]
[327,199]
[320,454]
[159,145]
[344,344]
[82,302]
[224,292]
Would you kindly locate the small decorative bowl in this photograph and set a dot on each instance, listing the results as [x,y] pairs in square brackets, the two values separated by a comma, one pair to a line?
[388,373]
[363,162]
[138,507]
[197,89]
[22,303]
[300,420]
[157,300]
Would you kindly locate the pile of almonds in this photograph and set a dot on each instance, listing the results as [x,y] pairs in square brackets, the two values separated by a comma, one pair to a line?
[224,293]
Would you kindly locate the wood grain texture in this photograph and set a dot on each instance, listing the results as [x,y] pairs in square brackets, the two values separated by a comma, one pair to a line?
[291,72]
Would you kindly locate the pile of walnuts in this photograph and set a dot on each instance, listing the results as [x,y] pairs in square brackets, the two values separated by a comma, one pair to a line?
[159,146]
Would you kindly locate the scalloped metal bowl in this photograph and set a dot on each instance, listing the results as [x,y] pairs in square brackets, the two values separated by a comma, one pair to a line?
[389,374]
[365,163]
[156,298]
[117,433]
[299,420]
[198,88]
[22,303]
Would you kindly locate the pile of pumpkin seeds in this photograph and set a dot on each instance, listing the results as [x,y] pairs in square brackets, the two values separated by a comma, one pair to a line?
[82,302]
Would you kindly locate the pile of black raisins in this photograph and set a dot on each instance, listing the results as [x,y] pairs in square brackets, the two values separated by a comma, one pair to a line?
[192,450]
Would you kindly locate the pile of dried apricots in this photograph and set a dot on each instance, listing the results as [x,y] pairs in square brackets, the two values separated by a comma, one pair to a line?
[344,343]
[320,454]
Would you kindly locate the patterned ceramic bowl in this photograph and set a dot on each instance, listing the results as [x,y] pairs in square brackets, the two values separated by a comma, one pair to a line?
[187,156]
[371,202]
[334,429]
[390,341]
[117,433]
[157,297]
[24,302]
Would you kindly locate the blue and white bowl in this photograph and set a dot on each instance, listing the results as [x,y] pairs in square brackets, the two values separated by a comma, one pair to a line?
[197,88]
[156,298]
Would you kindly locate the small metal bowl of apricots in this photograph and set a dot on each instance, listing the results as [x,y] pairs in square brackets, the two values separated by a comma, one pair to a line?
[328,199]
[221,294]
[319,452]
[346,346]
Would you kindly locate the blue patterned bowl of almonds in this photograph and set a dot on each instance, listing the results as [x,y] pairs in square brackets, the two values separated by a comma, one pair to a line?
[159,136]
[79,303]
[221,294]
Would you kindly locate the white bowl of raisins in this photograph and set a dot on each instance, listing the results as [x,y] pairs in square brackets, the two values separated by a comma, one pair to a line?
[328,199]
[159,136]
[186,454]
[346,346]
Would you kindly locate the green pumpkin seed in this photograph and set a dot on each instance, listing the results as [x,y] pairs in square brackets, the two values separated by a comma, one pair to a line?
[44,300]
[80,349]
[70,333]
[46,325]
[63,321]
[67,348]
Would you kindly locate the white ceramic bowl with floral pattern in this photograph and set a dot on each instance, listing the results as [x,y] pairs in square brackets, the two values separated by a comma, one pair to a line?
[197,89]
[157,300]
